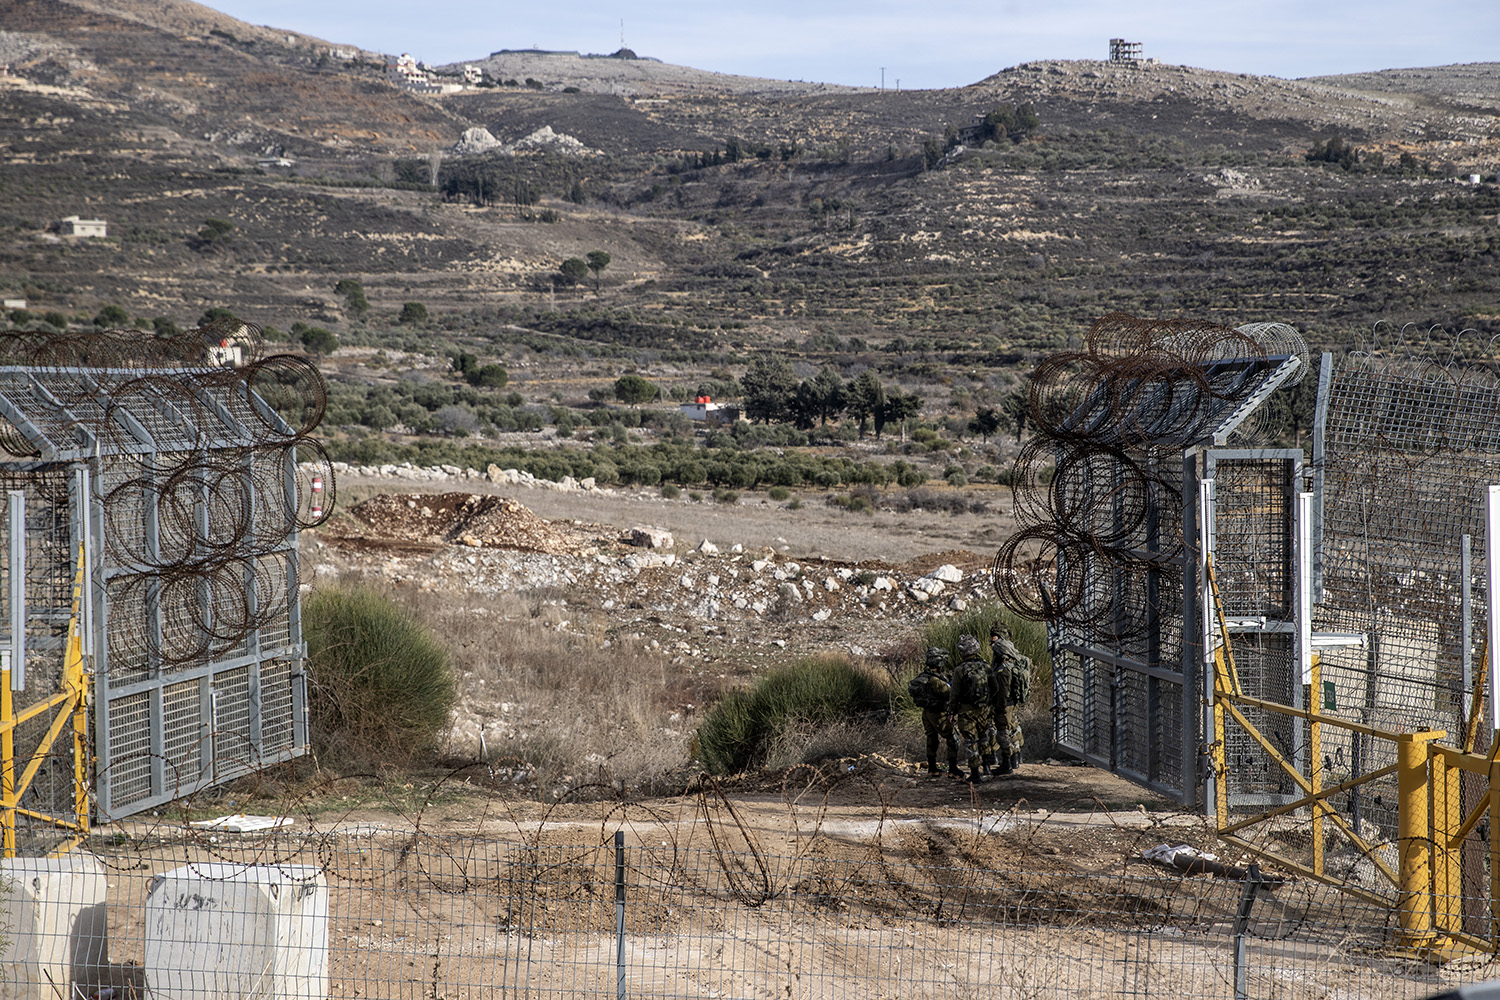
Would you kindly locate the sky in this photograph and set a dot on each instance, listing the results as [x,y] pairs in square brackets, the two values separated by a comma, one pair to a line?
[921,45]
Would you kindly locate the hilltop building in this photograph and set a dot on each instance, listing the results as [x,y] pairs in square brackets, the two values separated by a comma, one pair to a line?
[72,225]
[1121,51]
[406,73]
[705,411]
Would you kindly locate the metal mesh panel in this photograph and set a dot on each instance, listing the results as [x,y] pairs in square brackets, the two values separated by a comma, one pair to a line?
[1411,447]
[277,731]
[1132,729]
[182,744]
[129,614]
[1253,535]
[233,746]
[1265,664]
[129,774]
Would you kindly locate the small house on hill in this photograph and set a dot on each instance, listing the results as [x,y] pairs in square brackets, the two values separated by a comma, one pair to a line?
[705,411]
[72,225]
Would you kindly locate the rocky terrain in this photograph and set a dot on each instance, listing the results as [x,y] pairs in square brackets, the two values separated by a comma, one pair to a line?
[698,596]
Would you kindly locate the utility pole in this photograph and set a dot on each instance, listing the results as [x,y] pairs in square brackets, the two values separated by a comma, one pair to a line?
[882,78]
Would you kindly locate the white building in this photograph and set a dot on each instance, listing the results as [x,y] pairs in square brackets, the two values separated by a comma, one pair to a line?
[473,75]
[706,411]
[74,226]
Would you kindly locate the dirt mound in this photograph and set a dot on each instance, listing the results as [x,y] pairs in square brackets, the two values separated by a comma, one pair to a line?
[480,521]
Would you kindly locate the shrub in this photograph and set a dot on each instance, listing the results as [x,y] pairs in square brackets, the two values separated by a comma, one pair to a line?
[726,496]
[818,691]
[670,492]
[779,493]
[381,686]
[412,312]
[695,496]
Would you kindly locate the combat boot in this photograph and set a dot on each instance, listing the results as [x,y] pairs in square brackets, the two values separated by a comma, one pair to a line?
[932,767]
[1004,766]
[975,778]
[1015,761]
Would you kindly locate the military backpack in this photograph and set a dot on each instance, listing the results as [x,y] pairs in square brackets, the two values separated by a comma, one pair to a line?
[928,690]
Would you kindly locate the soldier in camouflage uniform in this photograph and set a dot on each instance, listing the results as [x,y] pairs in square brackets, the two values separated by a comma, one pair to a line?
[997,755]
[1015,668]
[931,691]
[970,705]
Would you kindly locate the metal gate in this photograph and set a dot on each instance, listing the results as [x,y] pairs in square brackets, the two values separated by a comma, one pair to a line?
[151,574]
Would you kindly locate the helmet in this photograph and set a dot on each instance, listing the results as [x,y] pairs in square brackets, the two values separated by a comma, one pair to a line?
[968,645]
[937,656]
[1000,628]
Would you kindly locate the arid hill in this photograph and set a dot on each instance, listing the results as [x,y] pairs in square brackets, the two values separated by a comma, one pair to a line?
[780,207]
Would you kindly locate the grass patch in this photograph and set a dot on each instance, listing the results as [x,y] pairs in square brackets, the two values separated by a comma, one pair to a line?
[381,685]
[782,716]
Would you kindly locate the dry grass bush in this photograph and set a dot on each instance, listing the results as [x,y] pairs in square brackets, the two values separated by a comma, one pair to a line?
[552,700]
[381,685]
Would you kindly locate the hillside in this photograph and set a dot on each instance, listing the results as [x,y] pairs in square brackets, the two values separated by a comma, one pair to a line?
[776,208]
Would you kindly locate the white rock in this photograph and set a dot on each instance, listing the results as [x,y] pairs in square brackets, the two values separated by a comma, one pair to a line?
[947,574]
[708,548]
[686,581]
[736,547]
[759,565]
[713,579]
[883,583]
[830,585]
[790,592]
[822,616]
[921,596]
[927,585]
[647,537]
[958,604]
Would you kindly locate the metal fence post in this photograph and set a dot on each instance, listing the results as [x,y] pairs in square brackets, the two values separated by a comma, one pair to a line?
[1241,922]
[620,914]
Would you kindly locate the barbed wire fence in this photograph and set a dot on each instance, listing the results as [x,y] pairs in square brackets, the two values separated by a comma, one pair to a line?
[707,900]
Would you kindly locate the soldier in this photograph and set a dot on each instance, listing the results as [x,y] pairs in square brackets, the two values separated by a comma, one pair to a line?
[931,692]
[1015,667]
[997,755]
[969,703]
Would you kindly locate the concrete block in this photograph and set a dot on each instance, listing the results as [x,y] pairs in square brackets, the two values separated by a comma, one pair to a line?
[54,926]
[234,932]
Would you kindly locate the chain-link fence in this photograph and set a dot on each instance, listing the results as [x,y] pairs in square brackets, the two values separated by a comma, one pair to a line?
[368,913]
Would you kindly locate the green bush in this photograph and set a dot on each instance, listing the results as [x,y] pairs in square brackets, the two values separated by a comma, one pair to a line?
[670,492]
[381,685]
[779,493]
[816,691]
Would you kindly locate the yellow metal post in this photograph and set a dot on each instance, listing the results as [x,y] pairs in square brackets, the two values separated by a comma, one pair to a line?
[1447,821]
[1315,763]
[1494,796]
[1413,835]
[7,767]
[76,684]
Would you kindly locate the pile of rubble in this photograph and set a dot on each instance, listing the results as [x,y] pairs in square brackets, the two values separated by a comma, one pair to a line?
[473,520]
